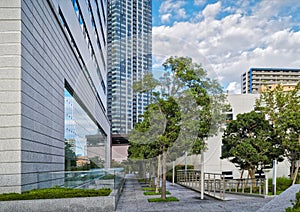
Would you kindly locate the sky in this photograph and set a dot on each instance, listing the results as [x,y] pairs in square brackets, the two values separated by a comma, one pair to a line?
[227,37]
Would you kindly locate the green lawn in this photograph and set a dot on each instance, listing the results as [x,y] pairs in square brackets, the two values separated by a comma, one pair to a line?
[150,189]
[153,193]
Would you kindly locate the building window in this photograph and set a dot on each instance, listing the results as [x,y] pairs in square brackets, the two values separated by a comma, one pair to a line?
[85,137]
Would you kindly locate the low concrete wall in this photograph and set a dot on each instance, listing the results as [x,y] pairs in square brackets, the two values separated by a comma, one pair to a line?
[66,204]
[106,203]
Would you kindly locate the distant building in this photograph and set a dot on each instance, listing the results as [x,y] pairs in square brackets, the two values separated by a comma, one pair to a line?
[82,161]
[253,80]
[129,59]
[285,87]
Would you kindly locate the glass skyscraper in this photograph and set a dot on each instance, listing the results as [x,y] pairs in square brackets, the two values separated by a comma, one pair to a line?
[129,59]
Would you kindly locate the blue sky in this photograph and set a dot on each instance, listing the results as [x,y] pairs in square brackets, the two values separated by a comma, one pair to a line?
[228,37]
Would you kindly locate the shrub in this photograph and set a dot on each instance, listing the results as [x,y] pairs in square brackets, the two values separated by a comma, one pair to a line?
[54,193]
[282,183]
[108,177]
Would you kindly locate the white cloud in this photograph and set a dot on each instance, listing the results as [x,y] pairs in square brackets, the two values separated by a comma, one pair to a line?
[199,2]
[211,10]
[234,88]
[255,37]
[165,18]
[172,8]
[181,13]
[171,5]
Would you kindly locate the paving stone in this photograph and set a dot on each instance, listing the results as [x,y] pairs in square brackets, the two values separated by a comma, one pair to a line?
[133,200]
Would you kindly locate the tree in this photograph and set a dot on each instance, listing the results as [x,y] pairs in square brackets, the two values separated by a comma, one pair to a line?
[249,143]
[180,114]
[282,109]
[70,156]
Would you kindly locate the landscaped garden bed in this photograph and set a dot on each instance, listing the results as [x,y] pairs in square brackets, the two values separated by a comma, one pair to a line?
[61,199]
[168,199]
[54,193]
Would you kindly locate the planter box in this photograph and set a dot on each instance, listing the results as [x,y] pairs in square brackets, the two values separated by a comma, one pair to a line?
[102,203]
[82,204]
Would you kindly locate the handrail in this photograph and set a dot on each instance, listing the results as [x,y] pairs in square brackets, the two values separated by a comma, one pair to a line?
[216,185]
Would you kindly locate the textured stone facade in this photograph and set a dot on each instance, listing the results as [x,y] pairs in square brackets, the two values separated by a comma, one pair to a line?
[37,60]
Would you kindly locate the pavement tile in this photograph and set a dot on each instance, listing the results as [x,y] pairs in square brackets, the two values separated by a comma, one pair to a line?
[133,200]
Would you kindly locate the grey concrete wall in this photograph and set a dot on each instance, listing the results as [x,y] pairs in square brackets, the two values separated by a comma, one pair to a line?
[68,204]
[35,61]
[10,95]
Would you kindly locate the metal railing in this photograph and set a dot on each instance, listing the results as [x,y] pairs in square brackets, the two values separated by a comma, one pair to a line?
[247,186]
[91,179]
[216,185]
[213,183]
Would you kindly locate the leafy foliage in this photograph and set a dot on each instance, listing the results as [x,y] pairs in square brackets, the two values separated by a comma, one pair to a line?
[282,109]
[282,183]
[248,142]
[186,108]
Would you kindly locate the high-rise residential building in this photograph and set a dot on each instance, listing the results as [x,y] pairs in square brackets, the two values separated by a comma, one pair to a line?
[52,89]
[256,79]
[129,59]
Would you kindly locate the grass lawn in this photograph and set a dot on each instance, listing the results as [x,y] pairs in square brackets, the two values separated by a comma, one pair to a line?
[54,193]
[168,199]
[150,189]
[153,193]
[141,180]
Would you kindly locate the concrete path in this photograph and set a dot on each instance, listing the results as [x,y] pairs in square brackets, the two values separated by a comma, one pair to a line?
[283,201]
[133,200]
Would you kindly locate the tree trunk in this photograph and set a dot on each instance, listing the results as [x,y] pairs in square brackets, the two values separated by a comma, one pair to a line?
[252,175]
[297,168]
[296,172]
[292,169]
[140,168]
[152,174]
[164,174]
[242,174]
[158,174]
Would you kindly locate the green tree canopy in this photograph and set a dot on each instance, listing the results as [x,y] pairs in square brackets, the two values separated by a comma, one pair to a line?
[248,142]
[282,110]
[186,108]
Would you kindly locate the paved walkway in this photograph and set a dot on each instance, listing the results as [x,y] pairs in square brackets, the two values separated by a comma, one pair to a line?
[279,203]
[133,200]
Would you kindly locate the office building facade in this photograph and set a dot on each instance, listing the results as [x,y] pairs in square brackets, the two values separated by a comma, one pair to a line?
[129,59]
[253,80]
[52,88]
